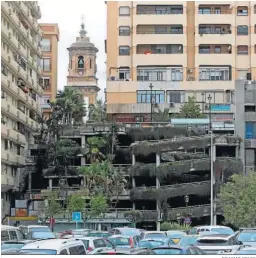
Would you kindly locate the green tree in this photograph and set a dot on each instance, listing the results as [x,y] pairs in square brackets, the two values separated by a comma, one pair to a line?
[52,207]
[98,205]
[93,149]
[190,110]
[76,203]
[97,112]
[133,216]
[161,116]
[238,200]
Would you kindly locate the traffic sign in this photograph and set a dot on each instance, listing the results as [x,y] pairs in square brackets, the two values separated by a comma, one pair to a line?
[76,216]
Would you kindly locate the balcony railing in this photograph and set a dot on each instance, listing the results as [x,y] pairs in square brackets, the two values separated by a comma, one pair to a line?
[159,10]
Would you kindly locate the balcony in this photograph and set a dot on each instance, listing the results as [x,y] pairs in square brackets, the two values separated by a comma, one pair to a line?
[155,14]
[12,158]
[21,117]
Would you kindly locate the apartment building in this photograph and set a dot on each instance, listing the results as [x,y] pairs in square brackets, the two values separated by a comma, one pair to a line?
[20,89]
[49,64]
[182,49]
[245,122]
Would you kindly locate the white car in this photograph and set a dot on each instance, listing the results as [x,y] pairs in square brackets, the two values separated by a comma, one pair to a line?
[55,246]
[203,230]
[11,233]
[36,232]
[93,245]
[218,244]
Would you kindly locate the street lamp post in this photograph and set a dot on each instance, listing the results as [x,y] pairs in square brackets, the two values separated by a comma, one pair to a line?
[203,101]
[151,102]
[210,114]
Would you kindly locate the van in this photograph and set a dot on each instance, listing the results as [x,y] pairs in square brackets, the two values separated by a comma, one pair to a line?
[11,233]
[55,246]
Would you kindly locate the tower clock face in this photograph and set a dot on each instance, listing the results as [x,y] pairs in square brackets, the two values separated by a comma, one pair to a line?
[80,73]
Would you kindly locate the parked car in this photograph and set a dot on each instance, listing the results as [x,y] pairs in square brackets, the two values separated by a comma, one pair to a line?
[34,228]
[246,250]
[124,241]
[213,230]
[214,244]
[178,250]
[12,244]
[188,240]
[96,244]
[127,231]
[74,233]
[247,236]
[137,251]
[11,233]
[154,234]
[152,243]
[55,246]
[99,234]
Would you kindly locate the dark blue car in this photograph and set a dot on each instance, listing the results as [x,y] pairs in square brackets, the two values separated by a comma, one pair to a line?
[178,250]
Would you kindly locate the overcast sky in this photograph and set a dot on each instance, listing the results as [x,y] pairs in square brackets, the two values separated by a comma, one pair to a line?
[68,16]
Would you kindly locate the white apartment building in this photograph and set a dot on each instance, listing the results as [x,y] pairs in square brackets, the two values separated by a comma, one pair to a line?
[20,89]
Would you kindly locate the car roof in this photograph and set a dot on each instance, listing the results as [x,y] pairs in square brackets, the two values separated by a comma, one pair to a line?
[155,232]
[215,236]
[170,247]
[210,227]
[7,227]
[86,237]
[50,244]
[154,239]
[34,226]
[120,236]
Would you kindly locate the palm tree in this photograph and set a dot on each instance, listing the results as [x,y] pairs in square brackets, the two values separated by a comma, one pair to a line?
[161,116]
[92,150]
[97,112]
[71,103]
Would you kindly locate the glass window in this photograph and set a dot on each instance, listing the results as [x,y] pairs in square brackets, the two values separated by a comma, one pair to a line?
[175,96]
[145,96]
[178,29]
[204,10]
[217,49]
[204,49]
[46,83]
[214,74]
[80,250]
[46,45]
[250,130]
[46,64]
[124,31]
[124,11]
[124,74]
[4,235]
[13,235]
[217,10]
[99,243]
[124,50]
[242,30]
[242,50]
[177,74]
[242,10]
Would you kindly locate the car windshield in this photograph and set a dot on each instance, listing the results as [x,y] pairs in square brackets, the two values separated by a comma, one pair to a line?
[253,251]
[130,232]
[169,251]
[212,242]
[6,246]
[98,234]
[42,235]
[247,237]
[119,241]
[38,251]
[188,241]
[151,244]
[226,231]
[40,229]
[155,235]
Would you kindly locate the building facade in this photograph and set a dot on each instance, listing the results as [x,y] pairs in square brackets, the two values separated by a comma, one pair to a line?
[20,89]
[245,122]
[82,67]
[49,64]
[184,49]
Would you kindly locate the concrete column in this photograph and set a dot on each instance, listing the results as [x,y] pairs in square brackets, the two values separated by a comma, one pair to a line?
[82,182]
[158,226]
[99,227]
[158,162]
[133,182]
[133,205]
[83,144]
[237,152]
[133,159]
[29,180]
[50,183]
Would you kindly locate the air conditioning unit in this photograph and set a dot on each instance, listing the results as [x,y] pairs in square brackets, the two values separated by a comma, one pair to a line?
[172,104]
